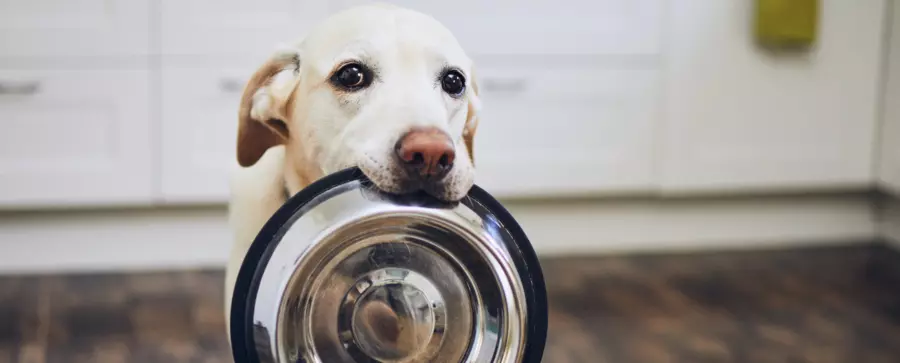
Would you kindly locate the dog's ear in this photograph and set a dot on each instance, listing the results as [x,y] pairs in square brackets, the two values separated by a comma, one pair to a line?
[264,110]
[472,117]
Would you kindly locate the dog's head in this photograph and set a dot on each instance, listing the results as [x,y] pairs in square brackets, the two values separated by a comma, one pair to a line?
[380,87]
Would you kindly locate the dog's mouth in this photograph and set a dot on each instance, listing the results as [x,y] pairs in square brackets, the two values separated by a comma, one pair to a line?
[405,185]
[417,197]
[391,176]
[399,183]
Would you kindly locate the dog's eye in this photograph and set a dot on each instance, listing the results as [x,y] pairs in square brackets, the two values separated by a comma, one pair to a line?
[351,77]
[453,83]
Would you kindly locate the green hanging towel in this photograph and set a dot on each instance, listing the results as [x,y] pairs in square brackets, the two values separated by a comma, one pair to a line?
[787,23]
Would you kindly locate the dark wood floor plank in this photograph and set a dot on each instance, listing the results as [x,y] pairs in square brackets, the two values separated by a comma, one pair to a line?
[808,305]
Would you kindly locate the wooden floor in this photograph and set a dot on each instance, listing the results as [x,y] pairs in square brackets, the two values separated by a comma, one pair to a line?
[802,306]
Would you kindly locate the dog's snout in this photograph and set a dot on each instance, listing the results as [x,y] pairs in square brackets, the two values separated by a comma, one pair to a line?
[426,152]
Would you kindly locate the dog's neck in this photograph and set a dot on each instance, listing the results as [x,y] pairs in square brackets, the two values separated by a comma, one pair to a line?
[286,192]
[299,174]
[292,182]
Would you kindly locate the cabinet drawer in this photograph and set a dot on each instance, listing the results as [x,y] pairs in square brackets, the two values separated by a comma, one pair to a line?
[74,27]
[199,131]
[74,137]
[547,26]
[583,130]
[565,129]
[197,27]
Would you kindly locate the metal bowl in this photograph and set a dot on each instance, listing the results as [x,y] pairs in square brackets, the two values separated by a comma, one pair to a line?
[346,273]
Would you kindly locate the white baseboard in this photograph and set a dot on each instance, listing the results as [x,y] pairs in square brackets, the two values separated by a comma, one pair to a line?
[890,222]
[69,241]
[685,225]
[113,240]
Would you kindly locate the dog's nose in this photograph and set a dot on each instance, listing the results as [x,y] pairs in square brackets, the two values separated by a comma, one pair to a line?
[426,152]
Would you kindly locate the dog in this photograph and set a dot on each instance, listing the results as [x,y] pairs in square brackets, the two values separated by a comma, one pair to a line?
[379,87]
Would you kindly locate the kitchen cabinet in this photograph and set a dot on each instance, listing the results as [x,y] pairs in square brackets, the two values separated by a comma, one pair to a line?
[736,117]
[82,28]
[236,27]
[544,27]
[569,97]
[558,130]
[75,137]
[575,139]
[199,130]
[135,102]
[889,172]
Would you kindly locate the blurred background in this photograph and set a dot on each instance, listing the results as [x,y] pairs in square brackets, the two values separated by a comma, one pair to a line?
[705,180]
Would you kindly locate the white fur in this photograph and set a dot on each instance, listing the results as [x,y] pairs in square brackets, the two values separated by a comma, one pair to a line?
[335,130]
[257,192]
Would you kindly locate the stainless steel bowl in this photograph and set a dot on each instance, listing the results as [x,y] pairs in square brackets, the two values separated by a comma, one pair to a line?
[346,273]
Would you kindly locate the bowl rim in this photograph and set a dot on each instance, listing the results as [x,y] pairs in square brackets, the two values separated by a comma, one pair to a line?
[256,259]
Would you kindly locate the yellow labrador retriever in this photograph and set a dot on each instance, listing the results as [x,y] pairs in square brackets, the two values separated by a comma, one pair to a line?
[380,87]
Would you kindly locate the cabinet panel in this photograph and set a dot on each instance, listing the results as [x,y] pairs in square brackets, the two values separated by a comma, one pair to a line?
[199,130]
[546,26]
[75,137]
[596,137]
[74,27]
[565,129]
[202,27]
[738,117]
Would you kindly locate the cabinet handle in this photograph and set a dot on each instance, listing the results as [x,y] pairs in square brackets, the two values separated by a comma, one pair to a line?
[514,85]
[19,88]
[231,85]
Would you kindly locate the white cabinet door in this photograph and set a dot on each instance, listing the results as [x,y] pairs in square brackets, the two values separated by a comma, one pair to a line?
[737,117]
[75,137]
[199,130]
[889,174]
[542,27]
[584,130]
[204,27]
[74,27]
[569,91]
[565,129]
